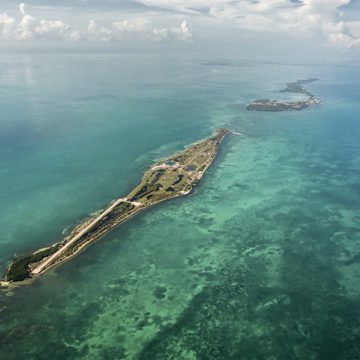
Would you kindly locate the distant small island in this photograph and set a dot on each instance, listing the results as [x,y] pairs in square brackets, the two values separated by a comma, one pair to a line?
[278,105]
[169,178]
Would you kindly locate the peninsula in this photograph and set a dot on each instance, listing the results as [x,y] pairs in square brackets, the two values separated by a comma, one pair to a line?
[278,105]
[168,178]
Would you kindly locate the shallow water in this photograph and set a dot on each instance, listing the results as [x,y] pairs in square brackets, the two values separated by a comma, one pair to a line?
[261,261]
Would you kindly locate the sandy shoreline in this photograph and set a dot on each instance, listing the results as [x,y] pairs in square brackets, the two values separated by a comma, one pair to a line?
[51,262]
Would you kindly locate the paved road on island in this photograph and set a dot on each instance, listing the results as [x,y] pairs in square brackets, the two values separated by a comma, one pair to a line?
[38,269]
[51,258]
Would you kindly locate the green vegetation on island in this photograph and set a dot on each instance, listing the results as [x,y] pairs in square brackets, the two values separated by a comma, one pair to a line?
[278,105]
[168,178]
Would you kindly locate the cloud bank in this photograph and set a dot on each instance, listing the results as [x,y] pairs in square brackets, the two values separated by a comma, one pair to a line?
[317,19]
[137,28]
[30,28]
[317,16]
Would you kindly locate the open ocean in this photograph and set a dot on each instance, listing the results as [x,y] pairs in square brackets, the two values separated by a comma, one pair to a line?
[261,261]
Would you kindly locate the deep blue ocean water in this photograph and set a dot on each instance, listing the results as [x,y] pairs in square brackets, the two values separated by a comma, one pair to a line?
[261,261]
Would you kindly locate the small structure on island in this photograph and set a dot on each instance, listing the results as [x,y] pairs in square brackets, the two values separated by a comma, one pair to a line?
[170,164]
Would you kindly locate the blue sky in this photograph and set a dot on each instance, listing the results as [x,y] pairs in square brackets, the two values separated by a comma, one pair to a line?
[329,26]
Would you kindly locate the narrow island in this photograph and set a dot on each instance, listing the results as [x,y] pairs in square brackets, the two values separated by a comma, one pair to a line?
[278,105]
[169,178]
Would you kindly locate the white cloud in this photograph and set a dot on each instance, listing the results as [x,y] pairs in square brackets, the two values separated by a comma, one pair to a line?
[30,28]
[310,17]
[22,9]
[7,25]
[26,28]
[327,15]
[132,27]
[97,33]
[314,16]
[139,28]
[183,33]
[53,29]
[340,35]
[204,6]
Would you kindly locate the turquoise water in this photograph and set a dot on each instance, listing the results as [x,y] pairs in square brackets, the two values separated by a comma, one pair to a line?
[261,261]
